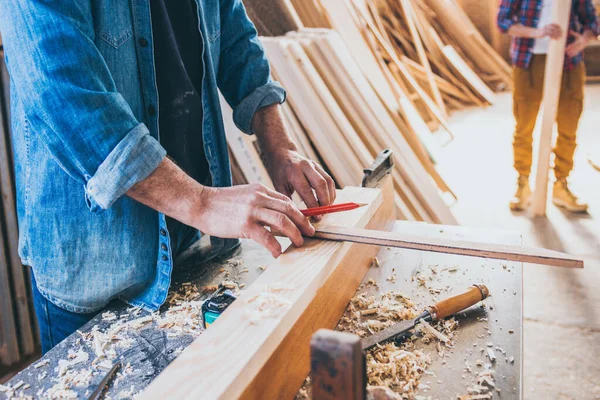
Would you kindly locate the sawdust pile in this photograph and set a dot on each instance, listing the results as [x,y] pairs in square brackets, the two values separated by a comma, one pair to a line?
[399,367]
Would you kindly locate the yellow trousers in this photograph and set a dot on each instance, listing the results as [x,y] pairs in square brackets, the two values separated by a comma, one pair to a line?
[527,95]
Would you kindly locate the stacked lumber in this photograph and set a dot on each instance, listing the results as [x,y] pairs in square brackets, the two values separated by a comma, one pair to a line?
[365,75]
[336,117]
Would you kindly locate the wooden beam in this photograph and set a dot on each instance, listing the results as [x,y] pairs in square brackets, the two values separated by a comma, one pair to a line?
[552,83]
[290,298]
[440,245]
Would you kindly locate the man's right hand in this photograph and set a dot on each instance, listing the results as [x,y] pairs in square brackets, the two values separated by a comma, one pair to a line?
[234,212]
[553,31]
[245,211]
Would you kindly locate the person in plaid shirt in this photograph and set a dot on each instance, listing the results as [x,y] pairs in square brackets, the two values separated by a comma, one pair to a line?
[529,23]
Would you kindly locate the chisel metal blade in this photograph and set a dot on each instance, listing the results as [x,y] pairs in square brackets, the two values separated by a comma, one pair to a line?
[393,332]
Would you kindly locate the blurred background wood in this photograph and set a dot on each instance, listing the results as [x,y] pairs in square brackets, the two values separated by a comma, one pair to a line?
[18,332]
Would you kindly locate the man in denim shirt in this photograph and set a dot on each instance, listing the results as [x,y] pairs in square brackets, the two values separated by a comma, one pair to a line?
[112,183]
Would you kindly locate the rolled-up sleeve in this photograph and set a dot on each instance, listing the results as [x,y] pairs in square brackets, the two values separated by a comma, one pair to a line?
[244,75]
[507,15]
[71,100]
[131,161]
[263,96]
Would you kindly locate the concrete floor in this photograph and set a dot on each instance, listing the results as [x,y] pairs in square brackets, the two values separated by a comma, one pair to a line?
[561,307]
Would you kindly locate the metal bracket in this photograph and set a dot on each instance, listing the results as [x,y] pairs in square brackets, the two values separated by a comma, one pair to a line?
[382,166]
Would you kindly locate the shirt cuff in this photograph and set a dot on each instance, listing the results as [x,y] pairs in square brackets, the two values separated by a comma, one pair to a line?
[134,158]
[505,25]
[594,27]
[264,96]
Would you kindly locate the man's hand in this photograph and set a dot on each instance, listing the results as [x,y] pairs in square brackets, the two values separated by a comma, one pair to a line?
[553,31]
[580,43]
[290,171]
[244,211]
[236,212]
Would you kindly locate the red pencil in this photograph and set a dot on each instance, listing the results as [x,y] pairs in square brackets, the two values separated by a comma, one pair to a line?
[311,212]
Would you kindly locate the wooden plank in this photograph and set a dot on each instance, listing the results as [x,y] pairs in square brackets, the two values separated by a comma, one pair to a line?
[360,151]
[298,132]
[224,360]
[343,22]
[407,162]
[404,71]
[409,16]
[312,112]
[459,64]
[460,247]
[552,84]
[243,148]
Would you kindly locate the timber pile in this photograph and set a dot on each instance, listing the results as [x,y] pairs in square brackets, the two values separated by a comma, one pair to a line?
[365,75]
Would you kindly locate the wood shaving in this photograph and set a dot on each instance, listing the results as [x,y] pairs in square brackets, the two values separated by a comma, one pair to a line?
[41,364]
[440,336]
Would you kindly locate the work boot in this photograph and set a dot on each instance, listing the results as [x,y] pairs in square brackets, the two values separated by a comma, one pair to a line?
[563,197]
[522,197]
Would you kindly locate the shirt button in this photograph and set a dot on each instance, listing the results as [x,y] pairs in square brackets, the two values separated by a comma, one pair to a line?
[163,246]
[165,258]
[143,42]
[163,232]
[152,111]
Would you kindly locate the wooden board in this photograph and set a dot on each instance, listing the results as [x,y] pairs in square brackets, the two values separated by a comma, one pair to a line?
[409,16]
[244,149]
[465,248]
[552,85]
[312,113]
[407,163]
[224,360]
[462,68]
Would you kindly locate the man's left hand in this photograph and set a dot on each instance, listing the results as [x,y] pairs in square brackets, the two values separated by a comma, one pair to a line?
[580,43]
[291,173]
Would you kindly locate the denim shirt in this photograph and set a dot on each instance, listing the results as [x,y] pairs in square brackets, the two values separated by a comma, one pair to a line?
[85,130]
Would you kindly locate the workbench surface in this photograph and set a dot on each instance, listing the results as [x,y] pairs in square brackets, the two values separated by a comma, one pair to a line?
[149,349]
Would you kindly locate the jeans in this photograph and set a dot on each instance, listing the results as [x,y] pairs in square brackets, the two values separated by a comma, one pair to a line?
[55,323]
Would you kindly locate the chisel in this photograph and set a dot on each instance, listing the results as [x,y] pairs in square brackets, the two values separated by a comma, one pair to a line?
[443,309]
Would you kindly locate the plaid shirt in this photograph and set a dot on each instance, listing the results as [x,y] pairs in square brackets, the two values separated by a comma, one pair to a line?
[527,12]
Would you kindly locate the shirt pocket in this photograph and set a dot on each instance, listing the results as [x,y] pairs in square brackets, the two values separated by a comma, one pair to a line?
[116,39]
[113,23]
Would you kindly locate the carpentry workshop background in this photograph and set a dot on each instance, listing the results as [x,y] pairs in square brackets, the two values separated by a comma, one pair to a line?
[454,273]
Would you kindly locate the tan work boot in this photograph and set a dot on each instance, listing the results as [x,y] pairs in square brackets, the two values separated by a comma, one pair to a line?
[563,197]
[522,197]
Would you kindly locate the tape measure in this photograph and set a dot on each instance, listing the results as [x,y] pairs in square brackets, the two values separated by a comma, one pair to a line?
[216,304]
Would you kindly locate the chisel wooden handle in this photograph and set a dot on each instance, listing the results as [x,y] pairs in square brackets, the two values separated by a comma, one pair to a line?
[455,304]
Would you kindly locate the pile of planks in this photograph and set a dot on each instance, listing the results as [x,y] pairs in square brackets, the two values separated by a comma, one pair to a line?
[364,75]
